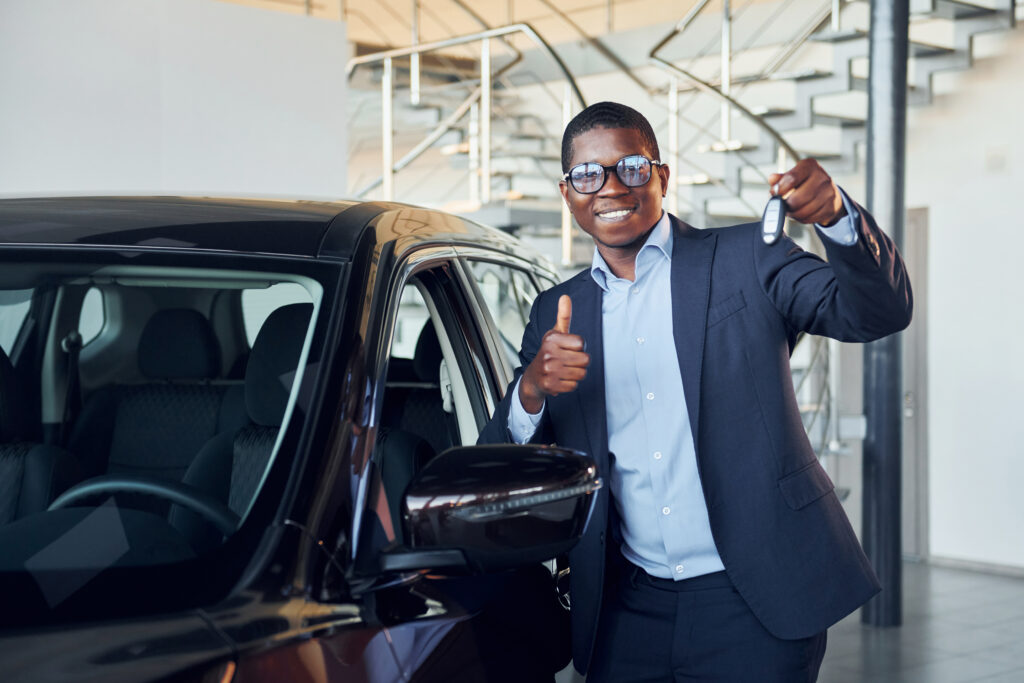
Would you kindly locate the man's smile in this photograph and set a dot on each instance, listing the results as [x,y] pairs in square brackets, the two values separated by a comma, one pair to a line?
[616,214]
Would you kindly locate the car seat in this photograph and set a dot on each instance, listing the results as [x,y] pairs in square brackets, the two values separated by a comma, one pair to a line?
[415,404]
[157,427]
[31,474]
[230,465]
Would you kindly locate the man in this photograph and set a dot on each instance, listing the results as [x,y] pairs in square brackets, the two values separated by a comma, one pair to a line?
[718,549]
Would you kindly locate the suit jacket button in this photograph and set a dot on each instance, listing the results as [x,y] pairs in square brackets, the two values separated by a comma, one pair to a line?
[601,536]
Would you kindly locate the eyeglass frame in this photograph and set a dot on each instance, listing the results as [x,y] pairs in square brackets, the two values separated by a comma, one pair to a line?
[607,170]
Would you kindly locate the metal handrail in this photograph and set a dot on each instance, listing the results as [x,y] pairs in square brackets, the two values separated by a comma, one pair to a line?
[525,29]
[482,94]
[598,45]
[680,26]
[710,89]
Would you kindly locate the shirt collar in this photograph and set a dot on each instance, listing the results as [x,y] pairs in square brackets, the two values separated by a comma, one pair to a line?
[660,240]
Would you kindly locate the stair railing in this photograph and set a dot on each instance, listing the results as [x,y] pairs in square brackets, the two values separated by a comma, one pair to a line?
[723,91]
[482,95]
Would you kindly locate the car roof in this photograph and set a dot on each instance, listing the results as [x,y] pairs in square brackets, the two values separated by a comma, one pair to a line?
[280,227]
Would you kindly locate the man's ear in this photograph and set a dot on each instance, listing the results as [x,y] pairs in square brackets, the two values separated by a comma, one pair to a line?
[563,187]
[664,172]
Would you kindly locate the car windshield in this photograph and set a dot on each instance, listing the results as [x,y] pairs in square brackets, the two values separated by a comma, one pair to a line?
[141,408]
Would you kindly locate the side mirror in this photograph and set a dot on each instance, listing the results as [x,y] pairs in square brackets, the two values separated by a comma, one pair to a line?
[495,507]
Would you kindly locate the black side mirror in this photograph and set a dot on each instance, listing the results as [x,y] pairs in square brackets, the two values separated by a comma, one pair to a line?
[494,507]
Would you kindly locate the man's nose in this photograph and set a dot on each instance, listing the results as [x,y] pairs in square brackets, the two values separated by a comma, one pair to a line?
[613,185]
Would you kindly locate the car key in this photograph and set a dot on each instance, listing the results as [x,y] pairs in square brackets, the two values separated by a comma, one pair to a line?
[773,220]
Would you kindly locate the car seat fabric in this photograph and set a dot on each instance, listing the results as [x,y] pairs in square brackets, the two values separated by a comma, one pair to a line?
[416,406]
[231,464]
[157,428]
[31,474]
[399,456]
[179,343]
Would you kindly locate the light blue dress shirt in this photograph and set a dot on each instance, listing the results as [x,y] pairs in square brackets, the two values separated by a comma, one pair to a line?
[654,479]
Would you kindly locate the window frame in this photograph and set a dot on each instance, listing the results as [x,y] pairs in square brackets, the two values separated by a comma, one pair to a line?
[501,367]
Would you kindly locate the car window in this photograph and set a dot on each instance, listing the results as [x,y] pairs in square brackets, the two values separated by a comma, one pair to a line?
[508,294]
[257,304]
[92,317]
[153,394]
[412,316]
[14,305]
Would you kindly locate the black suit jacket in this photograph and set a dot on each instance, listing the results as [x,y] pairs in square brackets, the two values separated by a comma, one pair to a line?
[737,308]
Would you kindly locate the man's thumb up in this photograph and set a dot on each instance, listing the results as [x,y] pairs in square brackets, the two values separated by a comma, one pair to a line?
[564,316]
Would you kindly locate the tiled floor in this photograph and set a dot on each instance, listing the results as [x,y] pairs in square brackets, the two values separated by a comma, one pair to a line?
[958,626]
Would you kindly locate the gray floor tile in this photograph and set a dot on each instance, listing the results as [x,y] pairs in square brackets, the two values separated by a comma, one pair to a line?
[956,670]
[958,627]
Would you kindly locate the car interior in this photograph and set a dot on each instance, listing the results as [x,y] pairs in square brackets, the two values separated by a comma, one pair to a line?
[160,391]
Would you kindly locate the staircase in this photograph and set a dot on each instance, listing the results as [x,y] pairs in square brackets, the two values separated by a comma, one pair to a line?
[813,94]
[796,79]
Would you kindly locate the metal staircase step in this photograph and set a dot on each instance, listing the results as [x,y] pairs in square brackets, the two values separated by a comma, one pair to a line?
[693,179]
[836,120]
[816,118]
[839,36]
[769,112]
[916,49]
[515,213]
[726,146]
[820,156]
[956,9]
[801,75]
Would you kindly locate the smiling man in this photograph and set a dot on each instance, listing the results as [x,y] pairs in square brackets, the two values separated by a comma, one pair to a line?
[718,550]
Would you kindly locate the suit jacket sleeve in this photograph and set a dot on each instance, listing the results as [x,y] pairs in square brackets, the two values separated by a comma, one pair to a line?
[861,294]
[496,429]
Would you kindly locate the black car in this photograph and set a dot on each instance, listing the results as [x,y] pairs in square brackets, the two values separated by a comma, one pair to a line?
[235,446]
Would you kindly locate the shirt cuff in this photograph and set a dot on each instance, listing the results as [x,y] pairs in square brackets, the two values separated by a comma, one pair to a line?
[844,232]
[521,424]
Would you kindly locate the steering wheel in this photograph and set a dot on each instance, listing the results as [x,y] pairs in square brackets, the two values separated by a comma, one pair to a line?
[203,504]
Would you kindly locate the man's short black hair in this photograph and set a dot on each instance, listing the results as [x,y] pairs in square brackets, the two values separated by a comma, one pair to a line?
[607,115]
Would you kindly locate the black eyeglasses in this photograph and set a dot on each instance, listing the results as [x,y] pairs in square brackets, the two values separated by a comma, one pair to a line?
[633,171]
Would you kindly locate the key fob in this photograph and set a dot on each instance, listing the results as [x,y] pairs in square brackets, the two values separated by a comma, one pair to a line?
[773,220]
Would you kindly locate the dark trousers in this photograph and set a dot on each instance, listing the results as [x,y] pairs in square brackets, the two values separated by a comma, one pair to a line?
[699,629]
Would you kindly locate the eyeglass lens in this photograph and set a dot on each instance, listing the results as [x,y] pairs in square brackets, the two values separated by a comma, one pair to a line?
[633,171]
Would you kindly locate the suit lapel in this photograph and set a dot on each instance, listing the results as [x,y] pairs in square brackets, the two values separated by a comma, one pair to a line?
[692,254]
[586,322]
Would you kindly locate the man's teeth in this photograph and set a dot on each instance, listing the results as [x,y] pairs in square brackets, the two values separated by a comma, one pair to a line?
[615,214]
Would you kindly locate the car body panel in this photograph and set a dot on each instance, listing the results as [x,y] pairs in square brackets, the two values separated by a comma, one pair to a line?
[296,594]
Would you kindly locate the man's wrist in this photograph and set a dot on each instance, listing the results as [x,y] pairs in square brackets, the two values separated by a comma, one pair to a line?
[840,215]
[531,399]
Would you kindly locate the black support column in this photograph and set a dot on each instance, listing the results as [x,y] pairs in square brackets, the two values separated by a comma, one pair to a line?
[883,365]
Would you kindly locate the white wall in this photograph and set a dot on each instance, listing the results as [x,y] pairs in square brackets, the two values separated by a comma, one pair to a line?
[169,96]
[966,164]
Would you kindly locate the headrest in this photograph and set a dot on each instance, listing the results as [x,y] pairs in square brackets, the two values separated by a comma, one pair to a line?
[178,343]
[427,357]
[273,361]
[12,403]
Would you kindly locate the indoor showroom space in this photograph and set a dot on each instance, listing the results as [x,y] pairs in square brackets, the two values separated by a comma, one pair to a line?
[511,340]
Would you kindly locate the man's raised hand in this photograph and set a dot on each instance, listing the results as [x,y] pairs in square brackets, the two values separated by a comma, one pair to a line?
[810,194]
[560,363]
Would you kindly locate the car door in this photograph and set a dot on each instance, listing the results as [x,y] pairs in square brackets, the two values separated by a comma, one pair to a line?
[436,385]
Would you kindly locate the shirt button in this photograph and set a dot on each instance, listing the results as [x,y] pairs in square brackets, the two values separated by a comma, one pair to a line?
[665,510]
[657,455]
[679,569]
[640,340]
[635,290]
[650,395]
